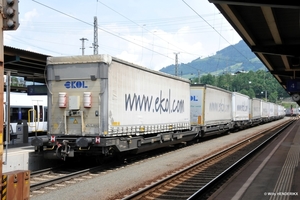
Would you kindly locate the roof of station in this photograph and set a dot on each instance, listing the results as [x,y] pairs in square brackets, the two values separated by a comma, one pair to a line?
[27,64]
[271,29]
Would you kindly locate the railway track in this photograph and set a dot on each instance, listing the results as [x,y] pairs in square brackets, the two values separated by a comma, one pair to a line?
[53,178]
[50,177]
[46,180]
[201,179]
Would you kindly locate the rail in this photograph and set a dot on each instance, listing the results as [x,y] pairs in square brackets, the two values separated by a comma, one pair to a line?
[197,180]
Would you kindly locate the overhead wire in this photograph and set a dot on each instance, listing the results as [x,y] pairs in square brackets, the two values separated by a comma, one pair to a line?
[140,25]
[167,19]
[215,30]
[184,51]
[114,34]
[38,47]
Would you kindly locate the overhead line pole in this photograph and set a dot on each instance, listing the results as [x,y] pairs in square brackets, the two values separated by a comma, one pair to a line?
[95,44]
[83,39]
[176,63]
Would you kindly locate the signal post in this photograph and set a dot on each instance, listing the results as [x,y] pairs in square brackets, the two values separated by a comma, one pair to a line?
[1,92]
[15,184]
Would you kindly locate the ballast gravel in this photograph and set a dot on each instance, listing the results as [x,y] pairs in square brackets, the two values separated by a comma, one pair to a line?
[107,185]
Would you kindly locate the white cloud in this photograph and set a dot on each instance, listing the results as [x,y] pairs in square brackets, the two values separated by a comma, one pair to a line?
[161,33]
[29,16]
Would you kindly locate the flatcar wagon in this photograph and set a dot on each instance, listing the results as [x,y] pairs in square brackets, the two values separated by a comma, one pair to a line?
[211,110]
[100,105]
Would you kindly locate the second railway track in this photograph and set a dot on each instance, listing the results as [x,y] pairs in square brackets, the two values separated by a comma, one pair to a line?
[196,181]
[47,180]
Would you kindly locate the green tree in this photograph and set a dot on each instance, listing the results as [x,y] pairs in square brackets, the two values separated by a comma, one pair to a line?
[208,79]
[253,84]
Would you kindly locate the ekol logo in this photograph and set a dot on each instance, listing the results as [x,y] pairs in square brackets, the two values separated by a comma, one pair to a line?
[75,84]
[194,98]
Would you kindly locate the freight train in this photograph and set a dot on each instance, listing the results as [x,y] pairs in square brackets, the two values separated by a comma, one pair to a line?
[100,105]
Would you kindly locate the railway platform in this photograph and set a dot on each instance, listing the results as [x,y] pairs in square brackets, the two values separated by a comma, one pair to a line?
[21,156]
[273,174]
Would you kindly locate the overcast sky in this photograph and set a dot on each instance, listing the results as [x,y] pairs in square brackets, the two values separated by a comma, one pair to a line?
[144,32]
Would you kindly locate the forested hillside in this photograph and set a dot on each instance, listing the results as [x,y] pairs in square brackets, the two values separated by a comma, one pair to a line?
[234,68]
[231,59]
[259,84]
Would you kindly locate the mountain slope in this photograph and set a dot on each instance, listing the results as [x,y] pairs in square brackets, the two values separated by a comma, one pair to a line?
[231,59]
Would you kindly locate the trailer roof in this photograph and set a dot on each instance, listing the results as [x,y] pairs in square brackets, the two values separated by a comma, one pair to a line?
[79,59]
[104,58]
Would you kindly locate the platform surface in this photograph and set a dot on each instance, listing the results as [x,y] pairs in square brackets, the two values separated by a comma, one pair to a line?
[22,157]
[273,174]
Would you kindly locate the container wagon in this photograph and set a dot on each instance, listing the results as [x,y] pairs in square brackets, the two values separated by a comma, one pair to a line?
[271,111]
[265,111]
[281,111]
[240,110]
[255,111]
[101,105]
[276,111]
[211,110]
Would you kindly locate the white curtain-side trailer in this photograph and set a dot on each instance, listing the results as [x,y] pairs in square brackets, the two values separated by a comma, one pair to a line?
[265,111]
[100,104]
[255,111]
[240,110]
[211,109]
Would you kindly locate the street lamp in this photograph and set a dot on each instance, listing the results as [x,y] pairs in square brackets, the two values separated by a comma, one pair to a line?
[265,94]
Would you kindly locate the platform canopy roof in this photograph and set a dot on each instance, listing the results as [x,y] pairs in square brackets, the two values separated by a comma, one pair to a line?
[27,64]
[271,29]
